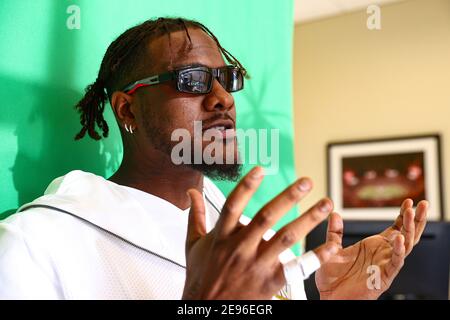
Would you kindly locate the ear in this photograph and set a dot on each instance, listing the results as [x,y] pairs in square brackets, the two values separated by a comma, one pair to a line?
[121,104]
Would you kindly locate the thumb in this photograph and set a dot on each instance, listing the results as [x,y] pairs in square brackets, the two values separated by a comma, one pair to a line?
[335,229]
[196,222]
[326,251]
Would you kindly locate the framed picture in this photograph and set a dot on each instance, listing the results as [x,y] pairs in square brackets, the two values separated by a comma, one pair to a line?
[369,179]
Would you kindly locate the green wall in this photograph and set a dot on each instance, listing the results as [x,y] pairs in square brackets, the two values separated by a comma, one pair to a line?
[44,67]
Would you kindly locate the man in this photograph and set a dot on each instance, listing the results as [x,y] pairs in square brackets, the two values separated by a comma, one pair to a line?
[161,230]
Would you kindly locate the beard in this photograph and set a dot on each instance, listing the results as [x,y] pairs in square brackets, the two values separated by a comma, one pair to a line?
[160,139]
[223,172]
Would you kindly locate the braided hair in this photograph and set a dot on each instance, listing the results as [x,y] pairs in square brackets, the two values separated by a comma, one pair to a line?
[121,63]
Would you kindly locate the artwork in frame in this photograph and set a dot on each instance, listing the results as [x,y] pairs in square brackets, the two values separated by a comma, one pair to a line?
[369,179]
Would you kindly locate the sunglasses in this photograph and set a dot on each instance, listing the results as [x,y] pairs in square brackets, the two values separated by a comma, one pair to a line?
[195,79]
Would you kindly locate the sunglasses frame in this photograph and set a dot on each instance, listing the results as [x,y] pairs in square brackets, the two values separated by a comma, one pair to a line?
[175,75]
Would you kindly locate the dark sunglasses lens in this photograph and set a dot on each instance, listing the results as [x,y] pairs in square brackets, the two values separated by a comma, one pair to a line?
[194,81]
[231,79]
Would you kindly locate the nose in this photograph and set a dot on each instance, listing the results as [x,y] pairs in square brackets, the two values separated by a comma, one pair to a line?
[218,98]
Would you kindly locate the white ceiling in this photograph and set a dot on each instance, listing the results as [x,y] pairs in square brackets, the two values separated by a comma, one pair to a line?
[310,10]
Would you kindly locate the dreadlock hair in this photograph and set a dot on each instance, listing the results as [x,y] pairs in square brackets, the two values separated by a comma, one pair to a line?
[124,62]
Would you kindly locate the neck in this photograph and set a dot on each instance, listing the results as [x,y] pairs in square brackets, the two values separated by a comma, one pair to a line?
[157,175]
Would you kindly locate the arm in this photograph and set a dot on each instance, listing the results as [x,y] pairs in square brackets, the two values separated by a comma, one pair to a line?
[25,269]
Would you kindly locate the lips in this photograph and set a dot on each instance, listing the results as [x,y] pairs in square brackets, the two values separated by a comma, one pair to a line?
[224,127]
[220,125]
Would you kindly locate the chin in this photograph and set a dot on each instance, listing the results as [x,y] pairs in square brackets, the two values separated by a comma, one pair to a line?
[223,172]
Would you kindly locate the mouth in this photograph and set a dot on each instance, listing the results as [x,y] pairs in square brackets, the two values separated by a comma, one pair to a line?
[224,128]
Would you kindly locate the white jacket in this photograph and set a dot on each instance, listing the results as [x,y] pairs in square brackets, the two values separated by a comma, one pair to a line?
[89,238]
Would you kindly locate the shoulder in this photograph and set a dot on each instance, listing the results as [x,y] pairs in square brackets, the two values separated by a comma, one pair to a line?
[75,182]
[36,225]
[44,223]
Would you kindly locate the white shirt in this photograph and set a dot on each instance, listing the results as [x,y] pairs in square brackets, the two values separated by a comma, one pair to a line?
[89,238]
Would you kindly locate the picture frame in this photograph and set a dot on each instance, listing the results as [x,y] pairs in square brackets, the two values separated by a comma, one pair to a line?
[369,179]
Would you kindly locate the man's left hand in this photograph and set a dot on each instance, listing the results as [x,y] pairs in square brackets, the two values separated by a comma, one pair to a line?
[347,274]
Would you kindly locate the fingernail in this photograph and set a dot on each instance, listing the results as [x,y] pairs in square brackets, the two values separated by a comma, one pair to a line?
[304,185]
[257,173]
[325,206]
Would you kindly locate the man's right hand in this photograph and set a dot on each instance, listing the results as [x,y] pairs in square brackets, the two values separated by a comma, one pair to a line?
[233,261]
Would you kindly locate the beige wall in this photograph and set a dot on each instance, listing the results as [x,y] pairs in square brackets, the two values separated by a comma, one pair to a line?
[352,83]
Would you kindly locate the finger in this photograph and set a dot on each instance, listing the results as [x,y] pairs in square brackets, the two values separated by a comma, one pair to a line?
[237,201]
[196,221]
[297,229]
[406,204]
[300,268]
[397,257]
[420,220]
[276,208]
[335,229]
[408,229]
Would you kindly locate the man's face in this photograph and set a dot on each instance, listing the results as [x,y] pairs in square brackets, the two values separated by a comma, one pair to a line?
[164,109]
